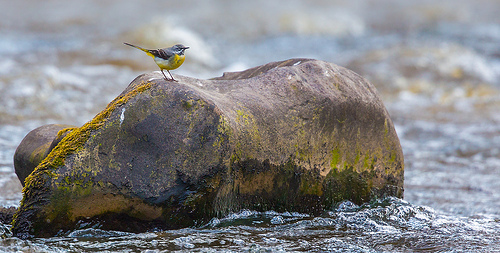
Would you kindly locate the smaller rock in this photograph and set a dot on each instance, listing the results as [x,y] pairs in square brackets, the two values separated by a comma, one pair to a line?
[35,146]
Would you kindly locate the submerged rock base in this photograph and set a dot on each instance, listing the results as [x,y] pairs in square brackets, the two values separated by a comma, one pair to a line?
[298,135]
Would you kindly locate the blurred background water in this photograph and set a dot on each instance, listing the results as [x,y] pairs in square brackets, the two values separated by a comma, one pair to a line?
[436,65]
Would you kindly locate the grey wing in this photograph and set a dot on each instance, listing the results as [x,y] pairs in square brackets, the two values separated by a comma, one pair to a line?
[165,53]
[162,53]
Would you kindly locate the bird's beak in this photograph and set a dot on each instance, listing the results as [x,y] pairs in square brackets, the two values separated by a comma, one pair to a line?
[185,47]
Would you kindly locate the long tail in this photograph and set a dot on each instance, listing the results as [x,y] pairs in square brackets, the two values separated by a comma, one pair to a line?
[140,48]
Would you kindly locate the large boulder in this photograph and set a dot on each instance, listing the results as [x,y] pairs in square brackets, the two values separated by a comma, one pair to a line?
[297,135]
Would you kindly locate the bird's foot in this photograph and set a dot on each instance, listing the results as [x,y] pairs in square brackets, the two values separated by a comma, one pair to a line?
[171,80]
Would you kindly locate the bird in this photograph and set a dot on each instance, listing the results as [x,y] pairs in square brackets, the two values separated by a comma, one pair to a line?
[166,58]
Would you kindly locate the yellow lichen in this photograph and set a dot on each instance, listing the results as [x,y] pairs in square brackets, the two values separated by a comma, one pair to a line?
[65,130]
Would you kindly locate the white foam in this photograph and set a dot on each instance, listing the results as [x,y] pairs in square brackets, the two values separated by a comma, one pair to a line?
[184,242]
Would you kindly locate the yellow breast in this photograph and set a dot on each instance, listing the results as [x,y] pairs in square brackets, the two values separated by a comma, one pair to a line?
[171,63]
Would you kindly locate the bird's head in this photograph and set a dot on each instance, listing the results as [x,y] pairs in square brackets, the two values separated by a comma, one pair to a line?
[179,49]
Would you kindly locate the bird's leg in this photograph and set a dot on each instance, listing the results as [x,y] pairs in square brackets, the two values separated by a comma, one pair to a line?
[171,76]
[166,79]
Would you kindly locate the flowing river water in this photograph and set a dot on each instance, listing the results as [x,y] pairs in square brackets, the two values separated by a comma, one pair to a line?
[436,65]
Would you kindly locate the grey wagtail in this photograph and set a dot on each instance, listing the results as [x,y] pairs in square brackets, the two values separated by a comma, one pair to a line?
[166,58]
